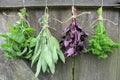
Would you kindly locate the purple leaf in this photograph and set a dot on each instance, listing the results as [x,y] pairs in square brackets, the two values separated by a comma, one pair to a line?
[70,52]
[72,42]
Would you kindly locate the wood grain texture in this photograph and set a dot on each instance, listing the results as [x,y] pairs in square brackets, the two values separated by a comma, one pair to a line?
[12,69]
[37,3]
[118,62]
[87,66]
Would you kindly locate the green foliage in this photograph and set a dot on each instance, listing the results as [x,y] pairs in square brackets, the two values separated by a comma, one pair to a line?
[47,50]
[20,41]
[100,44]
[99,11]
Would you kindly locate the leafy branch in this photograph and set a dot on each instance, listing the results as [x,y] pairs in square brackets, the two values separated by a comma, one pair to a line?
[19,41]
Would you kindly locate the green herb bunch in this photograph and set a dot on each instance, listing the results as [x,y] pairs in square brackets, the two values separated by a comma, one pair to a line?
[20,40]
[47,50]
[101,44]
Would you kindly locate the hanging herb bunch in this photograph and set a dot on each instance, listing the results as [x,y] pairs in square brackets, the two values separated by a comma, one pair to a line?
[101,44]
[73,39]
[19,41]
[47,50]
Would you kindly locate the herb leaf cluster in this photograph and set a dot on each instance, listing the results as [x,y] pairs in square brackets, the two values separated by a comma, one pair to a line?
[73,39]
[47,50]
[20,40]
[101,44]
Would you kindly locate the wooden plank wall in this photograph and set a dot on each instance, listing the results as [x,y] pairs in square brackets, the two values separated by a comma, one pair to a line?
[36,3]
[87,66]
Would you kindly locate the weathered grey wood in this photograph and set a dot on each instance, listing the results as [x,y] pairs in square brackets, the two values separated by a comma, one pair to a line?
[87,66]
[63,71]
[36,3]
[118,62]
[12,69]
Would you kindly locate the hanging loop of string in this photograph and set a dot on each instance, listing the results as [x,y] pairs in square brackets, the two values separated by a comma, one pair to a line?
[45,18]
[73,3]
[23,1]
[46,8]
[102,3]
[74,14]
[101,18]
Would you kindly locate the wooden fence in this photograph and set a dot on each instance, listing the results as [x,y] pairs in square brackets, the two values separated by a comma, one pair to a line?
[86,66]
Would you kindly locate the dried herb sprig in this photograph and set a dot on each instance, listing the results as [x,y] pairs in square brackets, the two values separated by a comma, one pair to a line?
[19,41]
[47,50]
[73,39]
[101,44]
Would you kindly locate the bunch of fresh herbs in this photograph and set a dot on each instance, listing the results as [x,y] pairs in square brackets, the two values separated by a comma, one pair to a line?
[73,39]
[47,50]
[101,44]
[20,40]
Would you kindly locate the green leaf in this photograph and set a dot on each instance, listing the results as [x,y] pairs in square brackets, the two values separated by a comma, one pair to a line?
[35,58]
[55,41]
[29,30]
[48,56]
[5,45]
[24,51]
[33,42]
[100,28]
[61,55]
[4,35]
[37,51]
[55,56]
[17,36]
[44,65]
[99,11]
[28,56]
[38,67]
[52,68]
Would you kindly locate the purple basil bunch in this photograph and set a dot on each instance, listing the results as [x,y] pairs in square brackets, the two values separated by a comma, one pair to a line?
[73,39]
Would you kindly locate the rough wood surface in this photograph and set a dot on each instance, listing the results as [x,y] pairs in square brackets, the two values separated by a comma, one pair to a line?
[14,69]
[118,59]
[37,3]
[87,66]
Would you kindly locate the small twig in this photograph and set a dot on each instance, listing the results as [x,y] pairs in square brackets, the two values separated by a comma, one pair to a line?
[46,8]
[73,2]
[27,22]
[23,3]
[102,4]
